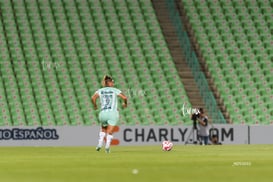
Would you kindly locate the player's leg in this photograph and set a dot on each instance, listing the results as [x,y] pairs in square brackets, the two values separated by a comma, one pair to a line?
[109,137]
[110,128]
[102,133]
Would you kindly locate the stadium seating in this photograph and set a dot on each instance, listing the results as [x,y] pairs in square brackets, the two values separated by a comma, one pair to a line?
[235,38]
[55,53]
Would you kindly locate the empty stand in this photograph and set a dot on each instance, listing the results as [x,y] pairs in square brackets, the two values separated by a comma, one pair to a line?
[54,54]
[234,39]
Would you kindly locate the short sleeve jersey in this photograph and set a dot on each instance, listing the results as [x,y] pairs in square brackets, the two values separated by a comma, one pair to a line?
[108,98]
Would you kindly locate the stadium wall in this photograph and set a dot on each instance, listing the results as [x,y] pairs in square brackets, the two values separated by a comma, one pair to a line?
[128,135]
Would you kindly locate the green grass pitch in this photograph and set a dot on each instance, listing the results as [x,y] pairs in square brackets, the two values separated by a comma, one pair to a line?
[249,163]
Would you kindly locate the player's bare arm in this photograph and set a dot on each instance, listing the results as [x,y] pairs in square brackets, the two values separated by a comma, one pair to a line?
[94,99]
[124,98]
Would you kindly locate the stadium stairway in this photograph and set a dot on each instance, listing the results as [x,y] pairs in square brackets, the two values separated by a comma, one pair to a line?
[196,48]
[184,71]
[176,51]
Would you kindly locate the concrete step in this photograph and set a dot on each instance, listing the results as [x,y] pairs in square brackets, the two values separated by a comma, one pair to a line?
[176,51]
[173,43]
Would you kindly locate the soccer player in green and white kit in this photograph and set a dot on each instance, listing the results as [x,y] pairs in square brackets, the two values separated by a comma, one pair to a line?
[109,114]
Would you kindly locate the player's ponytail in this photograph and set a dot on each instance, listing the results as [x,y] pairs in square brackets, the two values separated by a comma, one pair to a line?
[106,79]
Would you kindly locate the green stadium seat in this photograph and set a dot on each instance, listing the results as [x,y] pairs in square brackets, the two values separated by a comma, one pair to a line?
[66,47]
[244,36]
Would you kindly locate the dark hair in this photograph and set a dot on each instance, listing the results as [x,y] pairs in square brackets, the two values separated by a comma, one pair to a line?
[201,110]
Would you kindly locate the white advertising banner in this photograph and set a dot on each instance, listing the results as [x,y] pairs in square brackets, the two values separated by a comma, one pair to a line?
[124,135]
[150,135]
[261,134]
